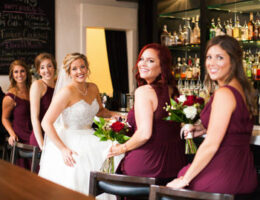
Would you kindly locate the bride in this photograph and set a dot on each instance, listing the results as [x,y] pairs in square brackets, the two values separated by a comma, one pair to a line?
[71,150]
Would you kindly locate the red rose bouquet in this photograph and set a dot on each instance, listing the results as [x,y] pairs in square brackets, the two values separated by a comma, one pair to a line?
[111,130]
[186,110]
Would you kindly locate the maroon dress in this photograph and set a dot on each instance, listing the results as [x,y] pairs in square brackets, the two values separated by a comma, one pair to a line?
[44,105]
[21,123]
[162,156]
[231,170]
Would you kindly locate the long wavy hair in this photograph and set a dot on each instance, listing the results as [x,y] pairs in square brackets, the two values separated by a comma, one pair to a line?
[165,58]
[233,49]
[28,74]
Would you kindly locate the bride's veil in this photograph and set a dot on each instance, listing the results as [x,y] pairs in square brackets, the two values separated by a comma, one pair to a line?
[62,81]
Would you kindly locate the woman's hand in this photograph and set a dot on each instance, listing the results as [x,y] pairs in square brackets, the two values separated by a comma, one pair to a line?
[178,183]
[196,130]
[67,156]
[116,150]
[12,139]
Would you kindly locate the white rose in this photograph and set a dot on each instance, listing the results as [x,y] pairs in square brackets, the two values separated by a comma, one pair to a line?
[190,112]
[182,98]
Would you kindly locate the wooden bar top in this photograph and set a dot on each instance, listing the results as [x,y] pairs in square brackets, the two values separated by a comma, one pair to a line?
[18,183]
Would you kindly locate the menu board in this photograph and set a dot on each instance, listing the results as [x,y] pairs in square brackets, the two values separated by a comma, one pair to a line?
[26,29]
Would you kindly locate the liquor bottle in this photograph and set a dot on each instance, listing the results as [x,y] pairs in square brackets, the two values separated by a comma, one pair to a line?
[175,38]
[219,28]
[251,27]
[183,69]
[187,32]
[189,69]
[180,35]
[255,67]
[229,30]
[249,69]
[237,29]
[165,38]
[256,32]
[196,33]
[212,30]
[244,32]
[177,73]
[196,69]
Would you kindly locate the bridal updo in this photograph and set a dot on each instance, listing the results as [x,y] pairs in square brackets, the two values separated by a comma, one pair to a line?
[71,58]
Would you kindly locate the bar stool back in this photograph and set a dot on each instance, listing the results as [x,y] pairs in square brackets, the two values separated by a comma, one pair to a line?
[20,150]
[166,193]
[120,185]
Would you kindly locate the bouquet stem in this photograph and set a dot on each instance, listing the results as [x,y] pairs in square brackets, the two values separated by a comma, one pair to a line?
[190,146]
[108,166]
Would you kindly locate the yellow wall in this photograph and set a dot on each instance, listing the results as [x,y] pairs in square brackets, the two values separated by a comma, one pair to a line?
[98,60]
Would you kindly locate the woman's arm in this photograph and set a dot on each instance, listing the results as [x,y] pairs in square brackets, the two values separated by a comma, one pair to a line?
[59,102]
[145,104]
[36,92]
[7,108]
[222,108]
[103,112]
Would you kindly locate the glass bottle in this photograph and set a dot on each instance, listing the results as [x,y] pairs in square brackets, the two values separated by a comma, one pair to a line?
[180,35]
[196,33]
[187,32]
[183,68]
[165,38]
[219,28]
[229,30]
[189,69]
[244,32]
[251,27]
[255,67]
[212,30]
[178,69]
[237,29]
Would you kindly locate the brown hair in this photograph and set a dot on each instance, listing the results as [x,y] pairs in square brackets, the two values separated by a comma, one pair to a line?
[69,58]
[28,73]
[41,57]
[233,49]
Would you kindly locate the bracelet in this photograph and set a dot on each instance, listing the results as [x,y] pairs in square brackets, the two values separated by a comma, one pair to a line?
[184,180]
[124,148]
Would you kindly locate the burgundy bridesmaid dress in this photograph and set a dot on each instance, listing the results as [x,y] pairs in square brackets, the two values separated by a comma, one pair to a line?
[21,123]
[162,156]
[44,105]
[231,170]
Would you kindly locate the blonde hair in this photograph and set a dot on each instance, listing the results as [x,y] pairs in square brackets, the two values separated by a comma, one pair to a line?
[69,58]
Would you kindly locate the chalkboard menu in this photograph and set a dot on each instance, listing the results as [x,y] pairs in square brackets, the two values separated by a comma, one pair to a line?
[26,29]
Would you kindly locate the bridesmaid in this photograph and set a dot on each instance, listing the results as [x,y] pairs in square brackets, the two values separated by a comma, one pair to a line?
[155,149]
[16,106]
[224,162]
[41,94]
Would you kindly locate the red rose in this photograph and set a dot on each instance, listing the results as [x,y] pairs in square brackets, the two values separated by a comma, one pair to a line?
[200,100]
[190,100]
[117,126]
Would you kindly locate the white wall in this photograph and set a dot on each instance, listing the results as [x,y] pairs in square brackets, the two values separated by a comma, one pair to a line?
[73,16]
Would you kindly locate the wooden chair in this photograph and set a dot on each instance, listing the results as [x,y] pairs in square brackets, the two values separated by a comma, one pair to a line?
[166,193]
[20,150]
[120,185]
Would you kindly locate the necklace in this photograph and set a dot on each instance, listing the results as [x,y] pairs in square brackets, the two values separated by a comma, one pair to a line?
[84,93]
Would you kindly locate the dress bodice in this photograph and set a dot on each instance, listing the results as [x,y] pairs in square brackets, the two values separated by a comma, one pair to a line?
[80,115]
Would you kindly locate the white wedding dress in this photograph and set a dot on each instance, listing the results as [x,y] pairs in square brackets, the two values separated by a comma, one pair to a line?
[77,134]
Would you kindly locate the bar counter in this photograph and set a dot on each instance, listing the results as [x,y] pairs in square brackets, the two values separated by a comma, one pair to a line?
[256,135]
[18,183]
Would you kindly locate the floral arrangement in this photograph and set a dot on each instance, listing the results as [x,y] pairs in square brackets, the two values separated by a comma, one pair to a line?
[186,110]
[111,130]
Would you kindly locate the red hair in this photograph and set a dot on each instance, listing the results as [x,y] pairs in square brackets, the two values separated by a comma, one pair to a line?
[165,58]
